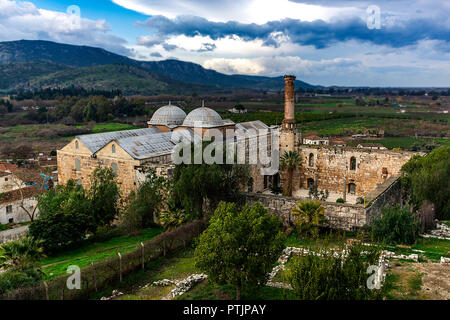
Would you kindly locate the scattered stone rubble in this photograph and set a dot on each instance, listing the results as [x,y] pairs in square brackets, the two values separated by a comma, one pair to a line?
[185,285]
[115,294]
[441,232]
[445,260]
[181,286]
[392,255]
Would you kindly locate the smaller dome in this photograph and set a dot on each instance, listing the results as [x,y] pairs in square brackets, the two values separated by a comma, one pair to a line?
[203,117]
[168,116]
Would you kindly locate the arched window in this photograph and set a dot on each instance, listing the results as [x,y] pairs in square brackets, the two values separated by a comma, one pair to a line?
[352,163]
[113,148]
[311,160]
[77,165]
[76,144]
[351,188]
[310,182]
[114,168]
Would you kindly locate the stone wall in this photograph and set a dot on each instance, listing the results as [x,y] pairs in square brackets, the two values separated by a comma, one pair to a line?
[340,216]
[13,234]
[330,168]
[387,194]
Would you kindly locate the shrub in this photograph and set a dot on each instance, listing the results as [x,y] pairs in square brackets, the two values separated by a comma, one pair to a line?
[395,226]
[310,216]
[340,200]
[327,275]
[17,278]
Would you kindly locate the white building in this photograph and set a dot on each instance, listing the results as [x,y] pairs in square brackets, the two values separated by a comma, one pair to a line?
[9,182]
[372,146]
[12,205]
[316,140]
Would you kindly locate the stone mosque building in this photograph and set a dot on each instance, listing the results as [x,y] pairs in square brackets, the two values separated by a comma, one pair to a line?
[347,173]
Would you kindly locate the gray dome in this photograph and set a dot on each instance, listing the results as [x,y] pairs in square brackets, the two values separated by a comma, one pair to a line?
[205,116]
[168,116]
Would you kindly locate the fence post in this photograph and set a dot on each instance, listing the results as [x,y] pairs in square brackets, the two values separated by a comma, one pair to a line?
[164,247]
[46,290]
[184,243]
[120,266]
[62,293]
[143,257]
[95,276]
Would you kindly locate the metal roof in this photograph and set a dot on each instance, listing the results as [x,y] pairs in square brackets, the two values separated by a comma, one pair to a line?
[95,142]
[144,147]
[256,125]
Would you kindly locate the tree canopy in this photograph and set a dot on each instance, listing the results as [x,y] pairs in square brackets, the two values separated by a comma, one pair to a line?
[240,246]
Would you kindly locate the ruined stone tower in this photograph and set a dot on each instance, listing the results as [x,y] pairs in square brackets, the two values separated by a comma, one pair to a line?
[290,136]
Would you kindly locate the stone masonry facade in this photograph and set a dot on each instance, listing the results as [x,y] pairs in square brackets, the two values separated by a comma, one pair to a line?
[335,168]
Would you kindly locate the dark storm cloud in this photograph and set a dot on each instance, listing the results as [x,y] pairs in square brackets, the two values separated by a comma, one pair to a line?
[319,34]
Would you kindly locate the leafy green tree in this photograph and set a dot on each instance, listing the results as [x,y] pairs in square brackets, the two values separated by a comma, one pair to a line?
[396,226]
[104,197]
[290,160]
[64,217]
[427,178]
[21,253]
[310,215]
[146,203]
[239,247]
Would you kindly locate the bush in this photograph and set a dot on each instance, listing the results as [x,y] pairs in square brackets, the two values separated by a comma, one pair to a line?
[395,226]
[326,275]
[340,200]
[17,278]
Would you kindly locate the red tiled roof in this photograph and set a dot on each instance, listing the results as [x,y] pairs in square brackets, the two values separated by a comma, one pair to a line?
[4,166]
[15,195]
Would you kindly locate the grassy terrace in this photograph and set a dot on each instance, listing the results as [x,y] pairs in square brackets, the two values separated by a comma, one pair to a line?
[84,255]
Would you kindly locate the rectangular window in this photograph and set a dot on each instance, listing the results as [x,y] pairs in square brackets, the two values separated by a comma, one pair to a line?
[9,209]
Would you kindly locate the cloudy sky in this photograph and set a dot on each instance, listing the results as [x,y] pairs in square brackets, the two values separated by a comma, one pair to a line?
[326,42]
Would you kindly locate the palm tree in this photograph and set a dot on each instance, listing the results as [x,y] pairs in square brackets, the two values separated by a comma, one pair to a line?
[290,160]
[310,215]
[21,252]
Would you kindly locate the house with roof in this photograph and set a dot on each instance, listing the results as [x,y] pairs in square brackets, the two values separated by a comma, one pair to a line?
[372,146]
[17,205]
[316,140]
[9,182]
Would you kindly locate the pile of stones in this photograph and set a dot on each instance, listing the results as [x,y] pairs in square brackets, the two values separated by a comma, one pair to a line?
[185,285]
[441,232]
[115,294]
[445,260]
[392,255]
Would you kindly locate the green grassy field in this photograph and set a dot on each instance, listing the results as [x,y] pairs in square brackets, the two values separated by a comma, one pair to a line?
[113,126]
[93,252]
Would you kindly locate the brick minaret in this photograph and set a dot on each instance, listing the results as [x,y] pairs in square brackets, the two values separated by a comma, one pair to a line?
[290,137]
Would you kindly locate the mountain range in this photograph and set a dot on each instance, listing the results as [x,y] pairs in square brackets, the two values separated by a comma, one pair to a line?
[34,64]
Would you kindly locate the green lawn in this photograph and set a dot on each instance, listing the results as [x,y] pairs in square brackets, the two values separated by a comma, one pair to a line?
[83,256]
[113,126]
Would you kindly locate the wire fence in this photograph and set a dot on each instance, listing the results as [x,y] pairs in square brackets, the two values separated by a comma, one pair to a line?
[105,273]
